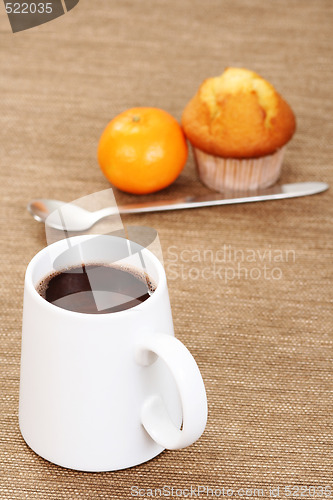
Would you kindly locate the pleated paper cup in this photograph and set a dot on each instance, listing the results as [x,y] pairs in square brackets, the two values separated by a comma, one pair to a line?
[234,174]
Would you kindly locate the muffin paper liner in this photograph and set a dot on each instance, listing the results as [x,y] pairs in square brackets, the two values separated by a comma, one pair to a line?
[225,174]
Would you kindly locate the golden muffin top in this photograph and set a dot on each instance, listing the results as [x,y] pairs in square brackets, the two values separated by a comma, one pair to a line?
[238,115]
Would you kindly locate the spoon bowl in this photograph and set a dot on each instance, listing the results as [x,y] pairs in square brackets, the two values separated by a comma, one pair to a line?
[66,216]
[40,209]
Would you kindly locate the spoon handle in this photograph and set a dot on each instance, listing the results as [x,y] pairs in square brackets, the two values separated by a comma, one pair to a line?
[276,192]
[105,212]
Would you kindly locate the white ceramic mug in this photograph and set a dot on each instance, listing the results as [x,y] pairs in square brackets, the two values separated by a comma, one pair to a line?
[102,392]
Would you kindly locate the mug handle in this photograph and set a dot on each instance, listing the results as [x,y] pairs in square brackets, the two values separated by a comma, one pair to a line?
[185,371]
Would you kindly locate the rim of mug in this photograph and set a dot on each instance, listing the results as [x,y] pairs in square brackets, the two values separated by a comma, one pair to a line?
[30,285]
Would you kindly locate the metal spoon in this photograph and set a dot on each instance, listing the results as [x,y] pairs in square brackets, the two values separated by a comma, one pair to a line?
[74,218]
[67,216]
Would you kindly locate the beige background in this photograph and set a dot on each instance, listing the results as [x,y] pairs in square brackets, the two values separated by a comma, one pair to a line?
[264,346]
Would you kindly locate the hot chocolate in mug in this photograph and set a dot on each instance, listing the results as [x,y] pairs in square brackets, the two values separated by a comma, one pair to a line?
[102,392]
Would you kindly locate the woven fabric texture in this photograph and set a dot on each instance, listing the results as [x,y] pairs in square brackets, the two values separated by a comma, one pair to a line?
[250,285]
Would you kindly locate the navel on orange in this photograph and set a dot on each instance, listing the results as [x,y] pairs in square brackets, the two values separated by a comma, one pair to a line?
[142,150]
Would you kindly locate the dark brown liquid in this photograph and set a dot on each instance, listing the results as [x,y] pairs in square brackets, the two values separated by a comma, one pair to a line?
[96,288]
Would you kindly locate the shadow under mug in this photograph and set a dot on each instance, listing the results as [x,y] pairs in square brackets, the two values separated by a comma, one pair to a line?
[102,392]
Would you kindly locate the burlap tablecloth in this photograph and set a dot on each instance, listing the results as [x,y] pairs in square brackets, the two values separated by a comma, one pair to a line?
[252,294]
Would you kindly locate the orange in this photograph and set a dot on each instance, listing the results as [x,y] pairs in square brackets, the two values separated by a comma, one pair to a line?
[142,150]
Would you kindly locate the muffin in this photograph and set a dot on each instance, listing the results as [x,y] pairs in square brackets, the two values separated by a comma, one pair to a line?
[238,126]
